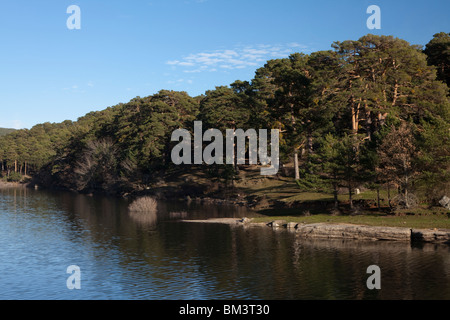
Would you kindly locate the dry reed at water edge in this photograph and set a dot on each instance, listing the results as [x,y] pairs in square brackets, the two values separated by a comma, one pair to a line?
[144,204]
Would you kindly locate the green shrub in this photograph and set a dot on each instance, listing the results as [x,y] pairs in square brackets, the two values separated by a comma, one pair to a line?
[14,177]
[311,182]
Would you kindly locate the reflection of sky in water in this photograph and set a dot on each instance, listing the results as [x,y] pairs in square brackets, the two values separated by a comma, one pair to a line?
[125,256]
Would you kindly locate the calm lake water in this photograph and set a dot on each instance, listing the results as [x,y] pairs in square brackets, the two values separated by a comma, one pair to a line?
[123,256]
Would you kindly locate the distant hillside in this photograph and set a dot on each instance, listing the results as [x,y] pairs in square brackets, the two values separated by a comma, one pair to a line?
[5,131]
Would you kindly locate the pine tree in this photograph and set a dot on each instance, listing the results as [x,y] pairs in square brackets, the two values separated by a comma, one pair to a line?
[397,156]
[438,52]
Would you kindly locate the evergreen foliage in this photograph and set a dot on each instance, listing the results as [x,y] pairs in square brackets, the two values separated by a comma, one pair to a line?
[371,112]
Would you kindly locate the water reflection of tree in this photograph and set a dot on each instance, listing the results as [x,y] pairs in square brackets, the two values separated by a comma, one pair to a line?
[406,272]
[239,263]
[147,219]
[265,264]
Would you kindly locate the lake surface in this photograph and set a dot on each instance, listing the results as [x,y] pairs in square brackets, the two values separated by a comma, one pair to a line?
[124,256]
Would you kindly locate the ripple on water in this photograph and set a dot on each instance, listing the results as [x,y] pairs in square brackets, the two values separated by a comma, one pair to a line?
[43,233]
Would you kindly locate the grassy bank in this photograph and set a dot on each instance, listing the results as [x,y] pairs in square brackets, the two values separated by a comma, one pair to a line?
[285,190]
[279,197]
[440,221]
[296,205]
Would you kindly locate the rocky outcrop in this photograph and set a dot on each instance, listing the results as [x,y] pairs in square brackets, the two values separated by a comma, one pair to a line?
[344,231]
[349,231]
[445,202]
[360,232]
[291,225]
[430,235]
[277,224]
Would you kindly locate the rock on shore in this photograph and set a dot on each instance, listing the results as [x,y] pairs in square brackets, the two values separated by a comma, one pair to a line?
[361,232]
[430,235]
[344,231]
[349,231]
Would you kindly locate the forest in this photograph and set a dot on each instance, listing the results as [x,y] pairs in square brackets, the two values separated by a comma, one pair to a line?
[5,131]
[372,113]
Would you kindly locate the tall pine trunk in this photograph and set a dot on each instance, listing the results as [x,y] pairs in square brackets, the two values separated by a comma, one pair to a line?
[350,197]
[293,122]
[378,198]
[335,193]
[297,172]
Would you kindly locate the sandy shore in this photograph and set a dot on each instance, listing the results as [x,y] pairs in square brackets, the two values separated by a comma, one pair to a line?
[4,185]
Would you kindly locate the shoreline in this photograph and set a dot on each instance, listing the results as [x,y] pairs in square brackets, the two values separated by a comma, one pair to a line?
[341,230]
[5,185]
[316,229]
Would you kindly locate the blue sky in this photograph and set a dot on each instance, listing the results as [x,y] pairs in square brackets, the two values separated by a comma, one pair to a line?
[135,48]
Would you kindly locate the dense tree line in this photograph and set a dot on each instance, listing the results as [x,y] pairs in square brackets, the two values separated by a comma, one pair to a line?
[373,112]
[4,131]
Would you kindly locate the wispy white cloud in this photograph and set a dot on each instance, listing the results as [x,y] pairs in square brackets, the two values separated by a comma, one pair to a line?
[239,57]
[12,124]
[179,81]
[73,87]
[76,88]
